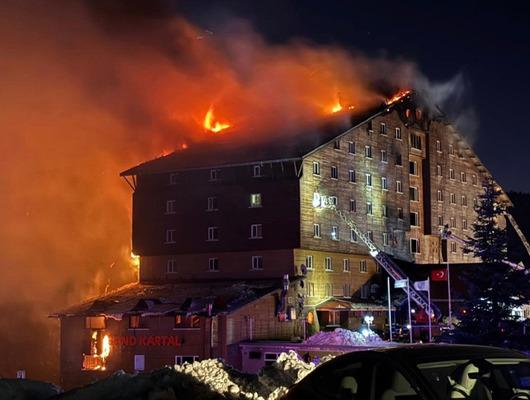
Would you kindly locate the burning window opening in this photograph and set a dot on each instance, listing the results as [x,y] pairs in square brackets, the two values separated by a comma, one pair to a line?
[339,105]
[211,124]
[398,96]
[99,351]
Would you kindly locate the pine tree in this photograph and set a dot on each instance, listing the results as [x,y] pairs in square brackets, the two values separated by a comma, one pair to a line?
[494,288]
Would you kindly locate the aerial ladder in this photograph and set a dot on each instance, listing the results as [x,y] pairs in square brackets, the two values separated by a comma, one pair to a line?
[380,256]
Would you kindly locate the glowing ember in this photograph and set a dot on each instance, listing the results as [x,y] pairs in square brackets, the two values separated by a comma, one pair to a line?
[398,96]
[135,260]
[183,146]
[210,123]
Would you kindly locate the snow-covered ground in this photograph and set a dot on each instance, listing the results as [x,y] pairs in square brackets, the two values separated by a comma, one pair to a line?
[345,337]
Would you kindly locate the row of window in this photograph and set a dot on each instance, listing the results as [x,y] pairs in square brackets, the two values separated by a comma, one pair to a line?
[329,290]
[215,174]
[451,149]
[328,264]
[212,203]
[256,263]
[452,175]
[139,361]
[452,222]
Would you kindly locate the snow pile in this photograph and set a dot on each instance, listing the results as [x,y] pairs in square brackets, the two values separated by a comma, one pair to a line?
[345,337]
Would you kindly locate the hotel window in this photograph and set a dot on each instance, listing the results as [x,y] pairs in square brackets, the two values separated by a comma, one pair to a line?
[453,198]
[362,266]
[328,266]
[384,156]
[414,219]
[333,200]
[346,265]
[179,360]
[335,232]
[256,171]
[365,291]
[370,235]
[171,266]
[316,168]
[173,178]
[256,231]
[399,187]
[135,322]
[309,262]
[452,174]
[414,246]
[346,289]
[353,205]
[474,179]
[329,289]
[439,195]
[257,262]
[384,183]
[453,247]
[451,150]
[438,146]
[310,289]
[255,200]
[452,222]
[385,238]
[351,147]
[475,202]
[463,177]
[316,231]
[439,170]
[368,151]
[170,236]
[95,323]
[213,264]
[399,161]
[353,236]
[212,204]
[400,213]
[464,224]
[334,172]
[187,322]
[398,134]
[413,168]
[139,362]
[382,128]
[171,206]
[440,220]
[336,144]
[368,180]
[384,210]
[214,175]
[413,193]
[369,127]
[213,233]
[464,200]
[369,209]
[352,176]
[415,141]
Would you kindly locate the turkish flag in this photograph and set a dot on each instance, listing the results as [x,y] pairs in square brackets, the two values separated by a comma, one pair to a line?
[439,275]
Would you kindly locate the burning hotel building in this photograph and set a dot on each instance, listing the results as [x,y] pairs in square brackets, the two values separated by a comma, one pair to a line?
[233,251]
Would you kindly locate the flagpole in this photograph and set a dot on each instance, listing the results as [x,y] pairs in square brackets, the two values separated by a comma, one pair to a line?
[410,314]
[449,291]
[430,308]
[389,308]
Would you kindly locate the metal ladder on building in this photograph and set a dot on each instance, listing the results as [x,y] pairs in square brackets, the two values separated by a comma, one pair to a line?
[385,262]
[518,231]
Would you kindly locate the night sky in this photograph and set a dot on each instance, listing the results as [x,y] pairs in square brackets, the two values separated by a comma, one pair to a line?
[488,44]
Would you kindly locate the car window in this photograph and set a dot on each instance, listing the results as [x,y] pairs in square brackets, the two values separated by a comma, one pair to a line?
[391,384]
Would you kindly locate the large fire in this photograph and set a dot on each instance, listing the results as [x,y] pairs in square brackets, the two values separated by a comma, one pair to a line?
[105,347]
[213,125]
[398,96]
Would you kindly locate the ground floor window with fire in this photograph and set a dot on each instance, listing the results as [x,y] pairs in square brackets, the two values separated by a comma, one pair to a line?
[98,344]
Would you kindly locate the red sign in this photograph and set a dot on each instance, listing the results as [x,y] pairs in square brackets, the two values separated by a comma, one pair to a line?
[439,275]
[145,340]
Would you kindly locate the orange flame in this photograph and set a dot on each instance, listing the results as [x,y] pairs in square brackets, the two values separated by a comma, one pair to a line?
[135,260]
[338,106]
[105,347]
[210,124]
[398,96]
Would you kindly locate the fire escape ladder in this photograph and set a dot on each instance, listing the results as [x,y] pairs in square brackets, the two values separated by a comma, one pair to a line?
[519,232]
[387,263]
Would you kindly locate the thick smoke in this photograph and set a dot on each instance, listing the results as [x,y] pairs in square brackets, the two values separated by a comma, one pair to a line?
[86,94]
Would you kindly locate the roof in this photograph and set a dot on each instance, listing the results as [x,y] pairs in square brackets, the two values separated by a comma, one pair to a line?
[178,298]
[224,150]
[335,304]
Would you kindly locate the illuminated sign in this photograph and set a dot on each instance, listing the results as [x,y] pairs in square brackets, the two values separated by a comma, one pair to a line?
[146,340]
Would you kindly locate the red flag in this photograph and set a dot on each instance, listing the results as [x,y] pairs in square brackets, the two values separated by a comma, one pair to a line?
[439,275]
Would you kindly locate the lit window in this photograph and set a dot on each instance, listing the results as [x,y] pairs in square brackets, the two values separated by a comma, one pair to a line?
[187,322]
[256,171]
[135,322]
[346,265]
[474,179]
[463,177]
[353,205]
[173,178]
[439,170]
[213,264]
[384,210]
[414,219]
[334,172]
[256,231]
[438,146]
[336,144]
[309,262]
[415,141]
[413,168]
[214,174]
[453,198]
[351,147]
[95,323]
[316,168]
[368,180]
[384,156]
[335,232]
[212,204]
[353,236]
[171,266]
[382,128]
[369,209]
[171,206]
[452,222]
[399,161]
[451,150]
[316,231]
[439,195]
[385,239]
[310,290]
[399,187]
[368,151]
[451,174]
[170,235]
[398,134]
[352,176]
[255,200]
[453,247]
[257,262]
[413,192]
[414,246]
[139,362]
[213,233]
[328,266]
[362,266]
[384,183]
[475,202]
[400,213]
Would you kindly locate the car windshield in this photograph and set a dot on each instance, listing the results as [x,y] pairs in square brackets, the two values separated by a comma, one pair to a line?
[479,379]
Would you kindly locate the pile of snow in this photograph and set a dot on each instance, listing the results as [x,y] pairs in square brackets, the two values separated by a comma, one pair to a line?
[345,337]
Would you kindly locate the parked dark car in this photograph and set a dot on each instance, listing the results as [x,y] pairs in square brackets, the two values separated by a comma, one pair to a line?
[420,372]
